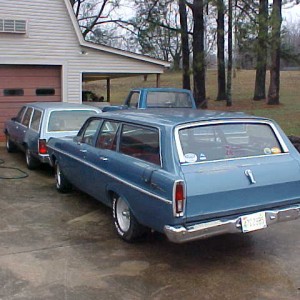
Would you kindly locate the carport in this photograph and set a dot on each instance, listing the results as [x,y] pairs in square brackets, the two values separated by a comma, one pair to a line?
[89,77]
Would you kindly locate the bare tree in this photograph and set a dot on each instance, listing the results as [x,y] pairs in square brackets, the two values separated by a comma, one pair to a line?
[91,14]
[199,53]
[221,50]
[229,66]
[261,51]
[186,81]
[276,20]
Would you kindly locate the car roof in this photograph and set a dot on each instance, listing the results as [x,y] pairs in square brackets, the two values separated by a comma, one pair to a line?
[173,116]
[163,89]
[61,105]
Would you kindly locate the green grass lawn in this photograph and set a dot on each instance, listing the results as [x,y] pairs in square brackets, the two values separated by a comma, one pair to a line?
[287,114]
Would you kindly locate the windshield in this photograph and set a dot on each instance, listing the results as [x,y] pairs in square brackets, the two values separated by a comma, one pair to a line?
[68,120]
[226,141]
[169,99]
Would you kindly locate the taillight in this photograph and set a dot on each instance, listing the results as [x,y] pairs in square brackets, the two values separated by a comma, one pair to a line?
[42,147]
[179,198]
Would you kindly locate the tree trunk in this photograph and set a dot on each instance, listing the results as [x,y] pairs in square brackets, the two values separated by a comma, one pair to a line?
[262,52]
[229,66]
[276,20]
[221,51]
[198,54]
[186,81]
[176,61]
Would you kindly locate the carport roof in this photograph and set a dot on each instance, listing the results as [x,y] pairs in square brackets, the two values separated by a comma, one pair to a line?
[140,57]
[102,76]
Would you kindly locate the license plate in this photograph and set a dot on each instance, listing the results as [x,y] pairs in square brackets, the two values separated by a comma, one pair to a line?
[254,222]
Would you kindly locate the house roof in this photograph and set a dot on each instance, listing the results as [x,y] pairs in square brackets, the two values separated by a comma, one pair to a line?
[116,51]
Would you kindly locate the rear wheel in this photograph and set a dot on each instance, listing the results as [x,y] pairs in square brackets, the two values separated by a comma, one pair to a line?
[31,162]
[126,224]
[10,146]
[62,184]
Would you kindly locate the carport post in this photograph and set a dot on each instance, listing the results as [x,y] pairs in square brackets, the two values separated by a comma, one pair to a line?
[157,80]
[108,90]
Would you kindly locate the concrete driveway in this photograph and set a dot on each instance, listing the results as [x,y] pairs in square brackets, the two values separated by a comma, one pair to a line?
[55,246]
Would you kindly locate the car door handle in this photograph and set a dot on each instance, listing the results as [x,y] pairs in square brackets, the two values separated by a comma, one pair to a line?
[83,150]
[103,158]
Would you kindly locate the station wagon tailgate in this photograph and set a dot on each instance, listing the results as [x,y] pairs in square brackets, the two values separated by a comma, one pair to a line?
[227,188]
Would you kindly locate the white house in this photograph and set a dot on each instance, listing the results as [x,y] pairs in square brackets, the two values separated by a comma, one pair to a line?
[43,56]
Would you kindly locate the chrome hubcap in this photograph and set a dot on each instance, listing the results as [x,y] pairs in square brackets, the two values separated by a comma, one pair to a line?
[57,176]
[27,155]
[123,215]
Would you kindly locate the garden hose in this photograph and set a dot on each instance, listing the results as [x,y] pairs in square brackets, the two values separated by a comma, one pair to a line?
[22,175]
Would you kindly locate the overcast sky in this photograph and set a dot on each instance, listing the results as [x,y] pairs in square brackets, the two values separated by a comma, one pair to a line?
[291,14]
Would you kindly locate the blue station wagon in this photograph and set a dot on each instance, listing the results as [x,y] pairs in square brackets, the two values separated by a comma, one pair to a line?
[36,122]
[189,174]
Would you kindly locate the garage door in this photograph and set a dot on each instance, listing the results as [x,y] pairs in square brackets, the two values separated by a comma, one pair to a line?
[23,84]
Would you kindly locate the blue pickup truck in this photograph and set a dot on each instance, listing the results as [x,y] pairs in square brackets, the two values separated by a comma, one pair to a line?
[156,98]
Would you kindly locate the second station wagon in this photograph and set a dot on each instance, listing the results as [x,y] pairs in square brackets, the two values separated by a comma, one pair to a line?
[36,122]
[188,174]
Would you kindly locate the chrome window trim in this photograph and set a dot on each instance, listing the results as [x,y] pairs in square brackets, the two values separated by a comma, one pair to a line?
[222,122]
[167,201]
[231,159]
[27,108]
[41,118]
[143,126]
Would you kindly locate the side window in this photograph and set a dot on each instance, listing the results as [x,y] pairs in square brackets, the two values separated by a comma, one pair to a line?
[36,120]
[140,142]
[20,114]
[90,131]
[133,100]
[107,138]
[27,116]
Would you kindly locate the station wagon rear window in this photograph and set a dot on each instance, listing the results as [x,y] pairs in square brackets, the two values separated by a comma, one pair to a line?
[227,141]
[68,120]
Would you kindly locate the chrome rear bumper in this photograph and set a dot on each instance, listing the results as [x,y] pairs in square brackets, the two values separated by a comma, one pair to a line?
[44,158]
[181,234]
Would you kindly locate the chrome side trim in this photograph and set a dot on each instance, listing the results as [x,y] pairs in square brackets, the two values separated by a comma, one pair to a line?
[231,159]
[112,176]
[227,121]
[182,234]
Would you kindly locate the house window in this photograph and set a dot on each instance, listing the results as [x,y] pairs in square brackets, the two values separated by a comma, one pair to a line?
[12,26]
[45,92]
[13,92]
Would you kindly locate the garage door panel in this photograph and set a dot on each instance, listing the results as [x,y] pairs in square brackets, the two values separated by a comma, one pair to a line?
[29,82]
[24,71]
[27,78]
